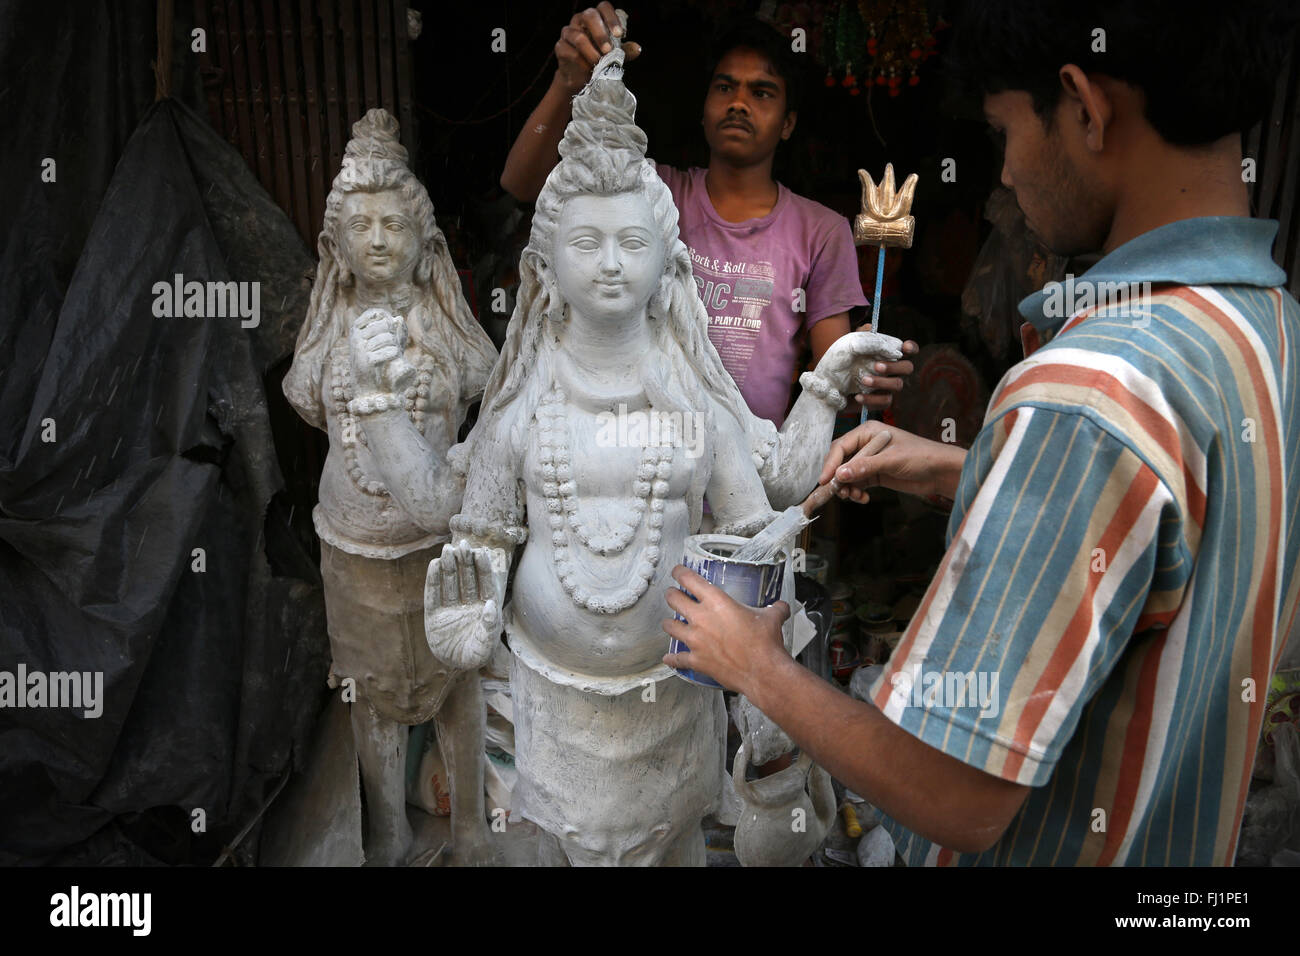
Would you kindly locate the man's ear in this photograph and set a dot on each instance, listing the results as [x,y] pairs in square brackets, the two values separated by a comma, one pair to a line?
[791,117]
[1087,104]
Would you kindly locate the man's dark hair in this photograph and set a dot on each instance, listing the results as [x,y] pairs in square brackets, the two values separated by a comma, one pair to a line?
[1207,67]
[751,33]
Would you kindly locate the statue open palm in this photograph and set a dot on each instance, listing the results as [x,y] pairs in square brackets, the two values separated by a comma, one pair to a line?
[463,593]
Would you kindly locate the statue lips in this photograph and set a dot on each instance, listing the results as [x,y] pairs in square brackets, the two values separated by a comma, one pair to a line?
[611,289]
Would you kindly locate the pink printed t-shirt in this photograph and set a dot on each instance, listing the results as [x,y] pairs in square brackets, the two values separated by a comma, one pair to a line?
[748,273]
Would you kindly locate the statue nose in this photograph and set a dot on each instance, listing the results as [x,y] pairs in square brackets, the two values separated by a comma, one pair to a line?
[611,261]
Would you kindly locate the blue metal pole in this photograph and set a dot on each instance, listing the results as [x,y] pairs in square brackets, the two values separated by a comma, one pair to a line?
[875,309]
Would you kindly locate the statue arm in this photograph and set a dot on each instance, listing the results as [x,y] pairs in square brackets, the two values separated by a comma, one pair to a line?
[493,513]
[415,472]
[792,468]
[465,587]
[736,494]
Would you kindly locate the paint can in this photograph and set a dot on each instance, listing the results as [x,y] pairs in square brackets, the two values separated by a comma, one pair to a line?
[842,647]
[875,647]
[841,601]
[754,585]
[845,658]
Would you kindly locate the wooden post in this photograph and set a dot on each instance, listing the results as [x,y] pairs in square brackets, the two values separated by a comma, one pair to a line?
[162,66]
[261,116]
[275,107]
[239,71]
[368,57]
[334,118]
[293,118]
[317,174]
[403,43]
[355,109]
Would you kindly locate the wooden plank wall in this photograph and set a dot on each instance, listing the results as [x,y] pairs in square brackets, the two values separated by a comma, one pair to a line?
[1275,145]
[286,79]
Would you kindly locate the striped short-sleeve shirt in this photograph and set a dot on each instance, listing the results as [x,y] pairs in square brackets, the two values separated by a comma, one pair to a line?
[1119,580]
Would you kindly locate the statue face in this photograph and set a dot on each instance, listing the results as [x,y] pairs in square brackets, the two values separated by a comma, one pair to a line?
[378,237]
[609,255]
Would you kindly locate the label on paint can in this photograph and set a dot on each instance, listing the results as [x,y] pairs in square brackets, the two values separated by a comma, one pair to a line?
[754,585]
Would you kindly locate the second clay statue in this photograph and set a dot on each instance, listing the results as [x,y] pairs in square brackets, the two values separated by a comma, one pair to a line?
[387,363]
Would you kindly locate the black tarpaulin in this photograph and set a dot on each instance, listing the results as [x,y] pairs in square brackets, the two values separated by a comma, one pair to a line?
[161,445]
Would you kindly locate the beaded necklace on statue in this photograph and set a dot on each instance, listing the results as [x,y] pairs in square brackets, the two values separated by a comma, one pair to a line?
[342,389]
[649,490]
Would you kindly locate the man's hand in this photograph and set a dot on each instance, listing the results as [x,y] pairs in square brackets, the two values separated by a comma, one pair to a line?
[924,789]
[584,41]
[823,493]
[733,644]
[863,459]
[887,378]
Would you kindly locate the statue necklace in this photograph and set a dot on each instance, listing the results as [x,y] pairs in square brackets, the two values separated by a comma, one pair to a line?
[343,389]
[649,491]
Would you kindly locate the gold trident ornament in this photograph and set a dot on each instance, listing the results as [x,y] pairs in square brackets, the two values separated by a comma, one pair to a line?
[885,221]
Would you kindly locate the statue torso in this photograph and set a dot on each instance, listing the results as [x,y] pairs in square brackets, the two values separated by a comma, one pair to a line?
[351,515]
[643,534]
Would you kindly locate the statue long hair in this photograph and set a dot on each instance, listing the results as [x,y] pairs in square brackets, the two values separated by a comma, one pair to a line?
[603,153]
[440,321]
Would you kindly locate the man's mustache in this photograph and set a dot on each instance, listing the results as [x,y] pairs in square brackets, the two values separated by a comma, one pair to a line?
[734,120]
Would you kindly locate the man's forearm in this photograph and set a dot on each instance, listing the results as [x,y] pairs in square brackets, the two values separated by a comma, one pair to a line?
[536,149]
[930,793]
[948,474]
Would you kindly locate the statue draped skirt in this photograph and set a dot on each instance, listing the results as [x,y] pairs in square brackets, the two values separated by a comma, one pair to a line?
[374,608]
[622,775]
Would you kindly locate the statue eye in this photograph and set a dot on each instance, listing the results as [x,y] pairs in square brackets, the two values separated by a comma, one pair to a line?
[586,245]
[396,227]
[634,243]
[359,227]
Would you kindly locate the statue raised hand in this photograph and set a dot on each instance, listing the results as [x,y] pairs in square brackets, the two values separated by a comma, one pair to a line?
[378,347]
[463,593]
[840,370]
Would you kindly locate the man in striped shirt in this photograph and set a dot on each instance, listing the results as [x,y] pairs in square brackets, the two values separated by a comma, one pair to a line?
[1084,680]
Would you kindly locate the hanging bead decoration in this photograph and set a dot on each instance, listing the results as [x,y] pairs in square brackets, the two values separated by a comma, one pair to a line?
[894,34]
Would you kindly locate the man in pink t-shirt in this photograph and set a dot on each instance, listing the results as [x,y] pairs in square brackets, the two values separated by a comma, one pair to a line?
[765,282]
[771,266]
